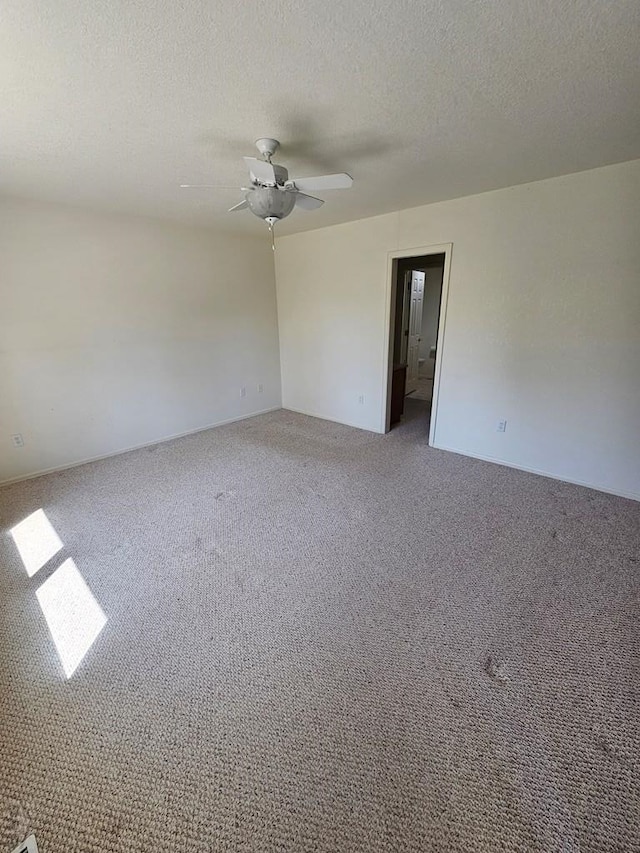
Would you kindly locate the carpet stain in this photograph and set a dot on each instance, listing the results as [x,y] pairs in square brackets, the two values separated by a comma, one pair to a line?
[496,669]
[605,747]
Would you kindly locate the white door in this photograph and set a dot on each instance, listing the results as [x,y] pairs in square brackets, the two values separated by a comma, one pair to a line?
[416,299]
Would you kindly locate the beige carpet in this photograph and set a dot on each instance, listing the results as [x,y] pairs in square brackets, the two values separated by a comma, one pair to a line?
[320,639]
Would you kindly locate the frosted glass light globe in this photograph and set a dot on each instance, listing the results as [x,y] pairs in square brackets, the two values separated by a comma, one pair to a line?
[271,201]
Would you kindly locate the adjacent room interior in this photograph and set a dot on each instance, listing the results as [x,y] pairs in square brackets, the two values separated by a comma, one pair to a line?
[319,427]
[416,299]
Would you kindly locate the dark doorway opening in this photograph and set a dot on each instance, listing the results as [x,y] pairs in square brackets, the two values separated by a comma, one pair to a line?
[416,316]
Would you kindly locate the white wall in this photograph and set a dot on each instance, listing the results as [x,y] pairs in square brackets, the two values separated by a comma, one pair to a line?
[120,331]
[430,310]
[544,294]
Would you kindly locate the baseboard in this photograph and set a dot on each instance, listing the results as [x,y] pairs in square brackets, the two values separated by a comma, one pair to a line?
[331,420]
[630,495]
[66,467]
[622,494]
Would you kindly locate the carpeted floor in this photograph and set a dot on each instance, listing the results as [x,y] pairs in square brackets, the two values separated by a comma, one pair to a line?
[320,639]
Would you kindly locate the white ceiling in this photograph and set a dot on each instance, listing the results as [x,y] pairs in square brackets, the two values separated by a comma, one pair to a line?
[113,103]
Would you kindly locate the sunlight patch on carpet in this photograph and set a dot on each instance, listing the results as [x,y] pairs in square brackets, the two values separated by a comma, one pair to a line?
[74,617]
[36,540]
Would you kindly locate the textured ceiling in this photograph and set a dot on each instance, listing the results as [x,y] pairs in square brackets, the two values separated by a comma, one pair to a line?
[113,103]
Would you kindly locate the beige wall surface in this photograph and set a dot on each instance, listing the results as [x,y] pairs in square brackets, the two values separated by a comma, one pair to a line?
[121,331]
[542,328]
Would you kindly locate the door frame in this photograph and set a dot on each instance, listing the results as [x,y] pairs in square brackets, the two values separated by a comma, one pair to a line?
[390,297]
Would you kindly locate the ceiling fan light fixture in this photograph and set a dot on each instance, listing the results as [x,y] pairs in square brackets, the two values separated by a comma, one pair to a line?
[272,196]
[271,202]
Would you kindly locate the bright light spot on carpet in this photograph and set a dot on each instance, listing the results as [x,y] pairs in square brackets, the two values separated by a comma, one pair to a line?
[36,541]
[73,615]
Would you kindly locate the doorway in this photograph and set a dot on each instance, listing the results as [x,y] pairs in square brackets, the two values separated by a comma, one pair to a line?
[417,303]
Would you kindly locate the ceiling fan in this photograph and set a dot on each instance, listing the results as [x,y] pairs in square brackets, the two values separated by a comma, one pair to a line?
[272,195]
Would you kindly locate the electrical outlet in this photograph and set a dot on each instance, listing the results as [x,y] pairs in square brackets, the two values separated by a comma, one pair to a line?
[260,388]
[17,440]
[243,391]
[501,426]
[361,399]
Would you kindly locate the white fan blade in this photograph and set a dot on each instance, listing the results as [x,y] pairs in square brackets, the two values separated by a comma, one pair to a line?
[239,206]
[206,187]
[324,182]
[261,170]
[308,202]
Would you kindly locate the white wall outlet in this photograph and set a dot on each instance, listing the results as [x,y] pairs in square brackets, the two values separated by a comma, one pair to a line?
[243,391]
[501,426]
[361,399]
[260,388]
[17,440]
